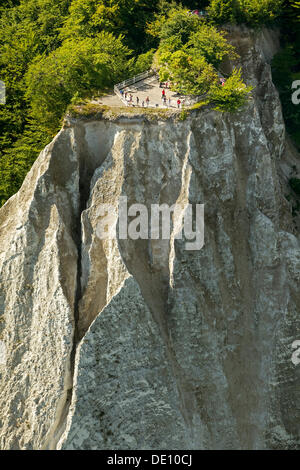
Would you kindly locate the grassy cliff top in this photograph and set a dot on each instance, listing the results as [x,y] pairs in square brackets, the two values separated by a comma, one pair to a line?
[88,111]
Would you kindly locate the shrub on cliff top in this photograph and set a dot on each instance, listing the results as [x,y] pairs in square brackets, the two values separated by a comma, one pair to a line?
[190,73]
[189,51]
[232,96]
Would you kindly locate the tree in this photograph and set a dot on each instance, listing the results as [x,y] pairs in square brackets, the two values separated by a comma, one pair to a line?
[224,11]
[232,95]
[39,41]
[296,5]
[188,60]
[26,30]
[251,12]
[87,18]
[144,62]
[211,44]
[189,74]
[257,12]
[78,67]
[176,22]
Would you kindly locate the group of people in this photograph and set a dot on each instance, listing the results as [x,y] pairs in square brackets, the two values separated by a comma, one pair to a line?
[164,98]
[167,102]
[129,98]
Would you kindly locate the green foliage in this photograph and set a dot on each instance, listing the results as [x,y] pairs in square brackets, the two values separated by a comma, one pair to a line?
[232,95]
[208,42]
[144,62]
[175,22]
[78,67]
[190,74]
[296,5]
[257,12]
[188,56]
[27,28]
[87,18]
[200,104]
[251,12]
[224,11]
[24,33]
[183,115]
[15,162]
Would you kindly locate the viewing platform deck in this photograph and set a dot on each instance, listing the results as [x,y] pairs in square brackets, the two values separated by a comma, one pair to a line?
[136,92]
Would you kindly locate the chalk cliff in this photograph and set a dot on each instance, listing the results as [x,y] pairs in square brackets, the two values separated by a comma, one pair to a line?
[137,344]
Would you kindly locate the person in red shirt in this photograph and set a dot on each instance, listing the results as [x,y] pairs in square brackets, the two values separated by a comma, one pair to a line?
[178,103]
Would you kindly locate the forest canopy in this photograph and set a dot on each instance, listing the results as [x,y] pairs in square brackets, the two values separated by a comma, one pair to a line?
[54,52]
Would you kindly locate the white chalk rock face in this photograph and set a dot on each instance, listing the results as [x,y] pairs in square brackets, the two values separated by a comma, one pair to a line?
[138,399]
[143,344]
[38,269]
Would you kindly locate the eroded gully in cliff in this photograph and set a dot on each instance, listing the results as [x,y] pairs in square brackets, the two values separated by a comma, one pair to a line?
[154,287]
